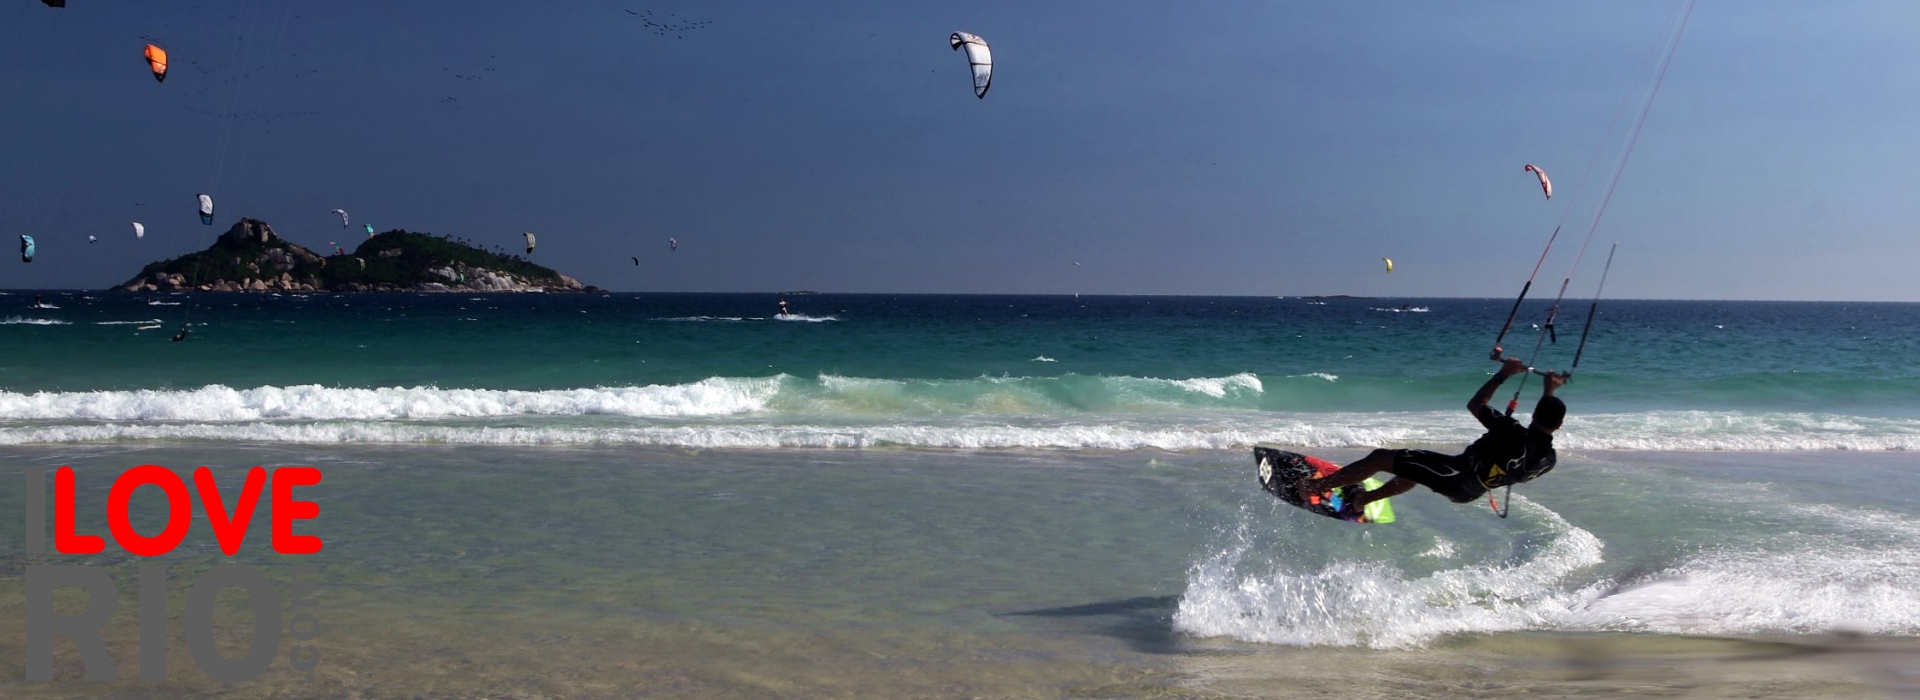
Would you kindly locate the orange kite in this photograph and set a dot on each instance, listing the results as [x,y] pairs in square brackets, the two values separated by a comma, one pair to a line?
[157,58]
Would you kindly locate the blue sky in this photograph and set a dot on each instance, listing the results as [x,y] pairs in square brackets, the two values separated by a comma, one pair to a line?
[1267,148]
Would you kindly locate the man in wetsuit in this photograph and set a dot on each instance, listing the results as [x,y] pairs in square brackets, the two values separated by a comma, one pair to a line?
[1507,454]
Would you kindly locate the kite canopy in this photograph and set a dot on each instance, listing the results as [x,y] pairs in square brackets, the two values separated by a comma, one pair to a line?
[1389,262]
[673,244]
[139,231]
[529,241]
[979,57]
[343,216]
[26,249]
[91,239]
[369,230]
[1546,185]
[206,210]
[157,60]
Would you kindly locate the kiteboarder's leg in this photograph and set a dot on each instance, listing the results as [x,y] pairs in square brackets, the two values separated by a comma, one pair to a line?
[1375,462]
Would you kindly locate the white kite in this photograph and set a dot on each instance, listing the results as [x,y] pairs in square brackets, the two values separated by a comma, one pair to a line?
[343,216]
[1546,185]
[529,242]
[979,57]
[139,231]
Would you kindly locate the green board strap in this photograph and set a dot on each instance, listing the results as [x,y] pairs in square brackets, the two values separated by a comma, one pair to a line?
[1379,512]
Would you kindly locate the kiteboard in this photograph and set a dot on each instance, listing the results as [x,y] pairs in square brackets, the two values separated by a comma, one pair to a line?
[1281,470]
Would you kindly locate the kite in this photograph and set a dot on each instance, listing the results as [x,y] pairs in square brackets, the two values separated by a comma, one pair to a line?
[1389,264]
[1546,185]
[343,216]
[529,242]
[369,230]
[979,57]
[673,244]
[206,210]
[26,249]
[139,231]
[157,60]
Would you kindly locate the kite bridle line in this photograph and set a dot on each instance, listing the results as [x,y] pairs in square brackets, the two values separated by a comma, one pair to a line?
[1633,138]
[232,121]
[1554,311]
[1578,186]
[1567,376]
[1592,311]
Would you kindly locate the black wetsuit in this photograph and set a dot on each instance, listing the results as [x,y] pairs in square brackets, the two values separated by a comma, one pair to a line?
[1509,453]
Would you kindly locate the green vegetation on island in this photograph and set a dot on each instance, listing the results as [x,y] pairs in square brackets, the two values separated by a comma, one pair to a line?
[249,257]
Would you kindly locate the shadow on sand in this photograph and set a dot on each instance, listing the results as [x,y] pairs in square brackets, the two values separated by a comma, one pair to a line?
[1145,623]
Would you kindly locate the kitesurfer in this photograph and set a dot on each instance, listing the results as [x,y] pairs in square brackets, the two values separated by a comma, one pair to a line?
[182,335]
[783,308]
[1507,454]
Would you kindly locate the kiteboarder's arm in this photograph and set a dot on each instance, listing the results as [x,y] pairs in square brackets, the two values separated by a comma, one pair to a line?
[1478,404]
[1553,381]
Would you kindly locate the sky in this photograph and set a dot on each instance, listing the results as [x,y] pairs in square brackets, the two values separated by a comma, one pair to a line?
[1231,148]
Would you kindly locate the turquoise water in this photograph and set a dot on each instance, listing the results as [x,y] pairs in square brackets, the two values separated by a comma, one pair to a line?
[939,371]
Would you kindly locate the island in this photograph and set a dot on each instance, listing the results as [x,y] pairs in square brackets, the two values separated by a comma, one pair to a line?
[250,258]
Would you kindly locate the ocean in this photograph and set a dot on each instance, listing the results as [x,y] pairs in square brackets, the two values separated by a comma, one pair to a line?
[999,496]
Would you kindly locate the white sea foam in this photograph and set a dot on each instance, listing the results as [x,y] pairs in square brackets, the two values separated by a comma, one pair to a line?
[1043,358]
[1062,412]
[1859,578]
[18,320]
[1218,387]
[125,323]
[717,396]
[1345,603]
[803,318]
[1442,548]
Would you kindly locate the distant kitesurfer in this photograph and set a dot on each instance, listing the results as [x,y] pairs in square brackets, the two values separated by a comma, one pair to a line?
[39,302]
[182,335]
[1507,454]
[783,308]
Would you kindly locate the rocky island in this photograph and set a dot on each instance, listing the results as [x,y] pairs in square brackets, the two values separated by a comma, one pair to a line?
[250,258]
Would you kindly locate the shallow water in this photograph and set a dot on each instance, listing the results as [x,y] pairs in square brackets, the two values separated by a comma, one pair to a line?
[611,572]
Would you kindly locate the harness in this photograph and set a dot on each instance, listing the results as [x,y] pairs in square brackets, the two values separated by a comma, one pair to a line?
[1518,470]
